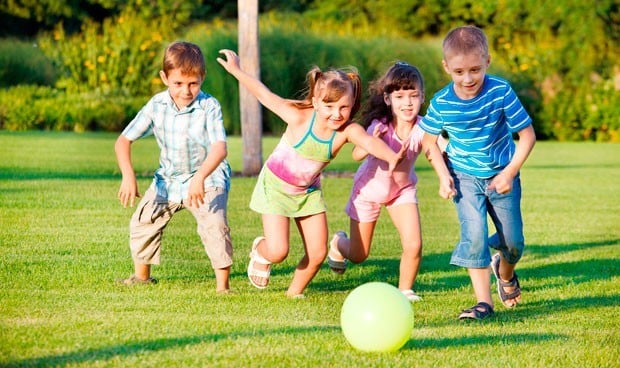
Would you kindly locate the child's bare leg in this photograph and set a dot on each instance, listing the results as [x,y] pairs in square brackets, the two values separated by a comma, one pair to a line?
[313,230]
[481,282]
[357,248]
[406,219]
[222,276]
[142,271]
[274,248]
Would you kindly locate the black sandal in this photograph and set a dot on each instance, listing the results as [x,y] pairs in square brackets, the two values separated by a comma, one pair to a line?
[501,284]
[479,311]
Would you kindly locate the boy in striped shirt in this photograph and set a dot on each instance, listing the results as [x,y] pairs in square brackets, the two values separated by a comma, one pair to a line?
[480,113]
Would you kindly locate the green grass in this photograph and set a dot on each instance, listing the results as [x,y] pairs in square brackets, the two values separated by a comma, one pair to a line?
[63,242]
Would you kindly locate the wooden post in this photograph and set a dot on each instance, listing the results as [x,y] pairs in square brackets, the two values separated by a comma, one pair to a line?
[250,108]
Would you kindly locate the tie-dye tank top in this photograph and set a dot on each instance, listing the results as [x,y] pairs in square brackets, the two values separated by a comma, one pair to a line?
[300,165]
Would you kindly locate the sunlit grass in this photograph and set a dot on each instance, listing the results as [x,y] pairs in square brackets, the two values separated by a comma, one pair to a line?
[63,242]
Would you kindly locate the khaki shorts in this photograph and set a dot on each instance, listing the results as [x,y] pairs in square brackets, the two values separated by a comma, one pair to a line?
[153,214]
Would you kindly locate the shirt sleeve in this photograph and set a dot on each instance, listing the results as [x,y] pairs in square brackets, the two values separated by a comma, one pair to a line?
[215,122]
[432,122]
[142,123]
[516,115]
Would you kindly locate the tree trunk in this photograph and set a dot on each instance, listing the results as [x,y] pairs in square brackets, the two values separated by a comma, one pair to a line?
[251,118]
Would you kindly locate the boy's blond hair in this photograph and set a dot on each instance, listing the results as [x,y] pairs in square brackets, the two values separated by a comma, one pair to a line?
[186,57]
[465,40]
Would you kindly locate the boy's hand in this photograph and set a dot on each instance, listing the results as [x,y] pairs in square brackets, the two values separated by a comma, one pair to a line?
[196,193]
[501,183]
[128,192]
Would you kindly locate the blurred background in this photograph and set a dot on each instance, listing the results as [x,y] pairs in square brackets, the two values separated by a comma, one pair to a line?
[90,65]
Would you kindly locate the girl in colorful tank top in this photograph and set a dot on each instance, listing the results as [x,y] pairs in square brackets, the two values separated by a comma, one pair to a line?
[288,186]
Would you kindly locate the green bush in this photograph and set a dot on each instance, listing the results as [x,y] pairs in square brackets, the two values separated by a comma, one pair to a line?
[570,52]
[118,56]
[562,59]
[23,62]
[287,54]
[45,108]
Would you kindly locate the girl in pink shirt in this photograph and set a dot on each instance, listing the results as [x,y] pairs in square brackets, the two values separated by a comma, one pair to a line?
[391,114]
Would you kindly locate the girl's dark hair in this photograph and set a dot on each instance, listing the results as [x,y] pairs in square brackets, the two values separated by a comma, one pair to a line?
[400,76]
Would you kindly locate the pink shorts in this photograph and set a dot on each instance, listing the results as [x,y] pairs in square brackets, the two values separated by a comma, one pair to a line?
[366,200]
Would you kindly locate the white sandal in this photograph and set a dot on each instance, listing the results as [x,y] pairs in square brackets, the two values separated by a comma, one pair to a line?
[411,295]
[253,272]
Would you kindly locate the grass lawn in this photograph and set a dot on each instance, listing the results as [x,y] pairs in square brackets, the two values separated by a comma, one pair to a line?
[63,242]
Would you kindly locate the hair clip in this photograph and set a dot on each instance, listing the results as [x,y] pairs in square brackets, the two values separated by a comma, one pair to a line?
[402,63]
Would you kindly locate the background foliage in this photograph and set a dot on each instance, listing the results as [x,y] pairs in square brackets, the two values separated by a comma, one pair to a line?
[562,58]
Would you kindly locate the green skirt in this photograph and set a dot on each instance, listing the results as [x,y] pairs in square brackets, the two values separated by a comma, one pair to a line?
[270,197]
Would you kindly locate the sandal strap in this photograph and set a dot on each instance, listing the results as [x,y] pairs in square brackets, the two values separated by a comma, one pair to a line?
[478,311]
[514,282]
[258,258]
[255,256]
[259,273]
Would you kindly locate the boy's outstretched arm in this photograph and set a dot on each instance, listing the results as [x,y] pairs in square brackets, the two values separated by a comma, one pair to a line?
[435,157]
[196,192]
[502,182]
[128,191]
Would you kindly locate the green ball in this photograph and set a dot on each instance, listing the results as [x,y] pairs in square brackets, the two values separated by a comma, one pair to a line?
[376,317]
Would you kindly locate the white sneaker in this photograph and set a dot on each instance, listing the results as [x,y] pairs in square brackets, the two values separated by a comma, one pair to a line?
[411,295]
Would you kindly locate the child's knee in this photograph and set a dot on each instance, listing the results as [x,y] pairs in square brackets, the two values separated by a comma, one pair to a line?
[358,257]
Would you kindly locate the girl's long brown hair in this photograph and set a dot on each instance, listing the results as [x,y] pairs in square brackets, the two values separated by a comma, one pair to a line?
[400,76]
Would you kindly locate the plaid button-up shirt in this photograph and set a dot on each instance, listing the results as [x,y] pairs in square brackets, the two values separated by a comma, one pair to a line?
[184,138]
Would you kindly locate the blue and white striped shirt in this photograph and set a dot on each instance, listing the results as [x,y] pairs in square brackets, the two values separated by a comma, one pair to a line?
[184,138]
[480,129]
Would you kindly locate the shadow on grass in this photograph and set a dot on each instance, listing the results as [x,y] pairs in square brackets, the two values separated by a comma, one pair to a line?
[481,340]
[12,174]
[570,166]
[547,277]
[128,349]
[549,249]
[386,270]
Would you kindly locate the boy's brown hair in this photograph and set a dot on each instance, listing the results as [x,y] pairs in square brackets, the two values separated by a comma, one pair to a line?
[186,57]
[465,40]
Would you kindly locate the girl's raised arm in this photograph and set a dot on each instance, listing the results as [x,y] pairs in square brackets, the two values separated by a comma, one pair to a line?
[280,106]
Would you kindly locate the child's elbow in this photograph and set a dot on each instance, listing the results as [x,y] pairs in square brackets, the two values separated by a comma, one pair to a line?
[121,144]
[221,151]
